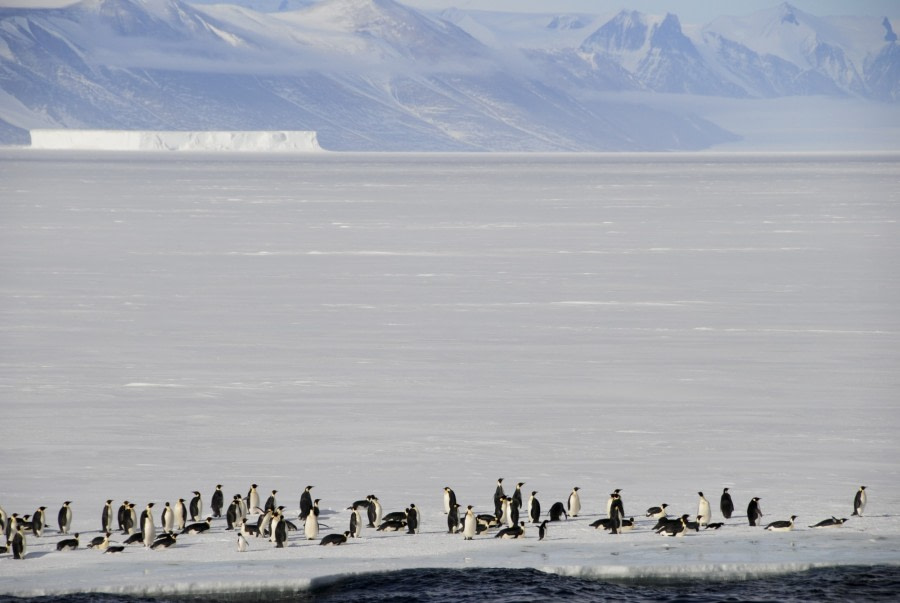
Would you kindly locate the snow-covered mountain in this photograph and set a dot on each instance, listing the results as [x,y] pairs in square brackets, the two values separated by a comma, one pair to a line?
[378,75]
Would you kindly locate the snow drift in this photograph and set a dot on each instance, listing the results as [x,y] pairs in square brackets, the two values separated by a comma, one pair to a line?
[137,140]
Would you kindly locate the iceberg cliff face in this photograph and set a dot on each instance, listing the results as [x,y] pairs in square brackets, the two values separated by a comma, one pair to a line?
[161,140]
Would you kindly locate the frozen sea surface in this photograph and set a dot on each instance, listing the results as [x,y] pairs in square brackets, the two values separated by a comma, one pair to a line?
[393,324]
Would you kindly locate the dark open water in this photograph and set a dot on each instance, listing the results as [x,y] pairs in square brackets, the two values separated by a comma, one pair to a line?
[853,583]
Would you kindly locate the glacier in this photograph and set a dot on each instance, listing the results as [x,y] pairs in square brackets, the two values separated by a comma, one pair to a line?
[159,140]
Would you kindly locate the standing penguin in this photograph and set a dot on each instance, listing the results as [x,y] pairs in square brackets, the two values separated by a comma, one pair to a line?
[355,522]
[453,519]
[218,501]
[231,515]
[280,531]
[609,502]
[543,530]
[64,517]
[574,502]
[754,513]
[534,507]
[121,516]
[616,514]
[106,517]
[412,519]
[253,500]
[242,544]
[131,520]
[504,511]
[499,495]
[373,511]
[449,499]
[18,543]
[514,511]
[517,495]
[726,505]
[859,502]
[147,526]
[37,522]
[168,518]
[180,515]
[271,504]
[306,502]
[311,528]
[273,526]
[703,511]
[196,506]
[470,524]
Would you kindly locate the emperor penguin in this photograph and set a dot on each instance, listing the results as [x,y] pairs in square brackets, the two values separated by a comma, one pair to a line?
[754,513]
[271,504]
[106,517]
[499,495]
[449,499]
[703,511]
[373,511]
[242,544]
[121,516]
[280,531]
[18,543]
[543,529]
[470,524]
[505,516]
[782,526]
[252,500]
[147,526]
[355,522]
[726,505]
[306,502]
[180,514]
[37,522]
[413,519]
[558,511]
[242,510]
[231,515]
[514,511]
[609,501]
[263,522]
[453,519]
[273,525]
[517,495]
[69,544]
[311,528]
[131,520]
[534,507]
[574,502]
[64,517]
[859,502]
[218,501]
[101,543]
[196,506]
[658,512]
[616,514]
[168,518]
[513,532]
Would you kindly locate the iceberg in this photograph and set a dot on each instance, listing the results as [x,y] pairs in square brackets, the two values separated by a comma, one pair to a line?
[291,141]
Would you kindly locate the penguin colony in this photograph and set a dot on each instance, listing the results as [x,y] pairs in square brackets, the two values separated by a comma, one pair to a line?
[271,525]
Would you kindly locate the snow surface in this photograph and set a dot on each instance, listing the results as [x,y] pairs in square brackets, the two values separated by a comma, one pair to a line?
[393,324]
[161,140]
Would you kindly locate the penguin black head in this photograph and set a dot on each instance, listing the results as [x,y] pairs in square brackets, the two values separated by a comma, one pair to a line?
[576,488]
[68,502]
[150,505]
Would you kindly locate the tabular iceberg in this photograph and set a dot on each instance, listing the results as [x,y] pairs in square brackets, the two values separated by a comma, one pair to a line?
[169,140]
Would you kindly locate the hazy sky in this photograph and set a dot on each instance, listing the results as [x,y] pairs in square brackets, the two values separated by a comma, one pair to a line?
[689,11]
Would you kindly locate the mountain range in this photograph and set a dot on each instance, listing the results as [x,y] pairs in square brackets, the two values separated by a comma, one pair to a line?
[376,75]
